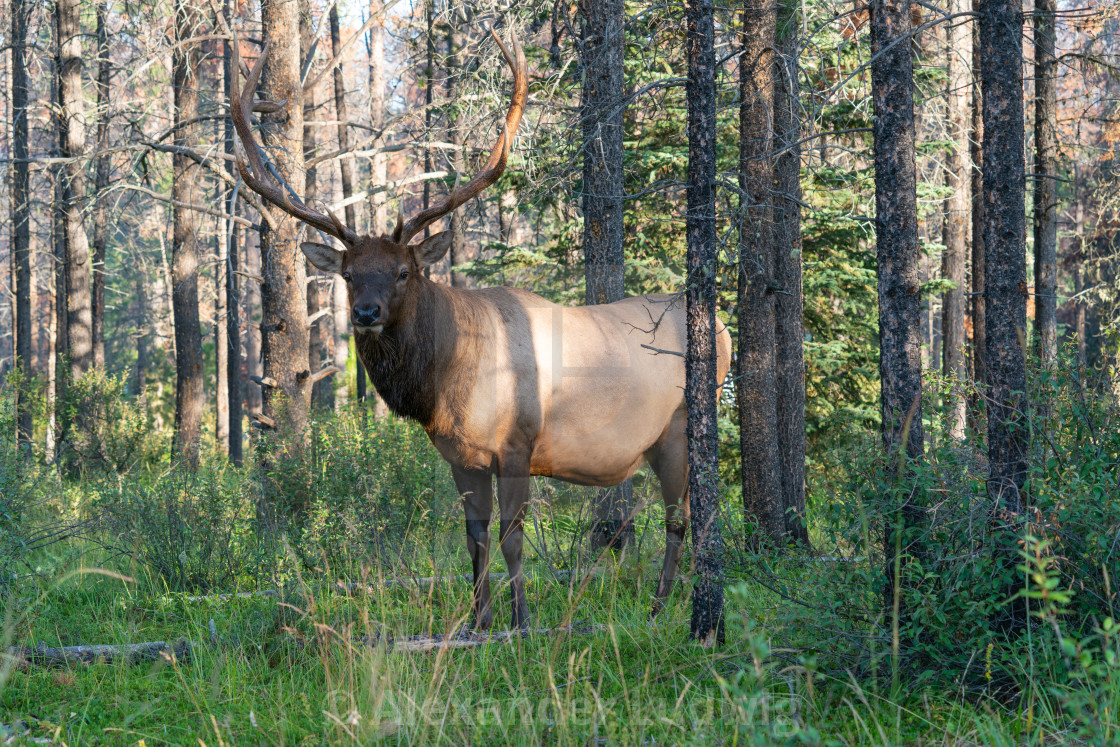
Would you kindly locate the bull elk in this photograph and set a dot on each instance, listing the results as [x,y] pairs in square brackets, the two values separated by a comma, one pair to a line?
[506,384]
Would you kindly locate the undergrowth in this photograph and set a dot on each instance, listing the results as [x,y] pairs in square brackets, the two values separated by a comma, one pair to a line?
[811,657]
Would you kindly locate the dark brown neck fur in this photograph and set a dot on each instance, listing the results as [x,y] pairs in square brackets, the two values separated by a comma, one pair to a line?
[409,362]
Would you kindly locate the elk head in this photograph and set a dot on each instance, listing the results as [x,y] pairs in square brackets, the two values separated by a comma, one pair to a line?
[380,270]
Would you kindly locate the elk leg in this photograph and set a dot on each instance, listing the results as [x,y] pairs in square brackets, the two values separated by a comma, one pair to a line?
[477,493]
[669,461]
[513,498]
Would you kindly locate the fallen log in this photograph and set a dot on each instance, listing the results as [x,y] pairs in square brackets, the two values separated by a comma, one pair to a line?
[561,575]
[354,587]
[238,595]
[471,639]
[132,653]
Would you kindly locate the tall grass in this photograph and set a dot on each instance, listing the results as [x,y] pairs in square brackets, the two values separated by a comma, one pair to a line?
[808,660]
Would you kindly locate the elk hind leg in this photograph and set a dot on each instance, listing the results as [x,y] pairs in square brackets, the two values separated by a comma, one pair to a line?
[669,461]
[513,500]
[477,493]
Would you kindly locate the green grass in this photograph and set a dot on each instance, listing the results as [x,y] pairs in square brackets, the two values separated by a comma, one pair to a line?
[290,671]
[803,664]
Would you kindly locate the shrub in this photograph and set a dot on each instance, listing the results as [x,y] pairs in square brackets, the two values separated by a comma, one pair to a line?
[15,492]
[953,581]
[369,480]
[107,430]
[192,531]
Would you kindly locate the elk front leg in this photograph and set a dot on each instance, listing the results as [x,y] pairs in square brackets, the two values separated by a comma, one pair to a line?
[513,498]
[477,493]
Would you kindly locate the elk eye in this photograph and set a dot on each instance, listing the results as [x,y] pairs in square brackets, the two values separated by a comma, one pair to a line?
[403,275]
[346,276]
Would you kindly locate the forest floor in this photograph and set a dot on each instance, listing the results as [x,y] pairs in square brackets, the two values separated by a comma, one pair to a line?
[314,665]
[808,657]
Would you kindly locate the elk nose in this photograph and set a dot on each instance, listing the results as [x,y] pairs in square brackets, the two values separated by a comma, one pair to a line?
[367,315]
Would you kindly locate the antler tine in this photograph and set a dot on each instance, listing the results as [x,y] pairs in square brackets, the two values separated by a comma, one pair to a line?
[240,103]
[496,164]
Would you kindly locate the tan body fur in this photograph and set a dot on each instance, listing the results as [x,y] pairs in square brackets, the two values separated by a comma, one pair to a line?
[506,384]
[515,385]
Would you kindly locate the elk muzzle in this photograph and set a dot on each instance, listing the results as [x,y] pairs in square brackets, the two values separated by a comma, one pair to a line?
[367,317]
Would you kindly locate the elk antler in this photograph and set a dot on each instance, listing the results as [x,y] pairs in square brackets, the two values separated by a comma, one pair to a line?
[240,103]
[404,232]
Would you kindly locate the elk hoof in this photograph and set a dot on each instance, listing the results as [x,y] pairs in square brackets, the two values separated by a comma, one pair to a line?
[520,620]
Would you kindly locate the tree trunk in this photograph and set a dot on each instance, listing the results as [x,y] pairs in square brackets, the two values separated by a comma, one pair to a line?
[284,329]
[1078,262]
[20,205]
[72,145]
[976,149]
[789,311]
[955,225]
[429,86]
[899,257]
[232,372]
[755,372]
[101,183]
[457,253]
[141,337]
[1005,279]
[700,362]
[185,186]
[234,380]
[601,45]
[346,169]
[318,331]
[221,330]
[378,218]
[340,306]
[254,398]
[1045,183]
[58,373]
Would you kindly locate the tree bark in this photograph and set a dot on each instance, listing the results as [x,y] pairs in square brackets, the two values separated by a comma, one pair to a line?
[186,190]
[457,253]
[1045,183]
[1078,261]
[429,87]
[955,225]
[378,218]
[284,330]
[72,145]
[56,436]
[352,217]
[755,372]
[700,362]
[141,337]
[232,372]
[221,329]
[345,164]
[1005,279]
[101,183]
[976,150]
[20,207]
[899,257]
[254,398]
[601,49]
[789,308]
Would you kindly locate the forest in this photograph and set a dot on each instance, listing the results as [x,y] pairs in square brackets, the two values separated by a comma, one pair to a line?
[590,372]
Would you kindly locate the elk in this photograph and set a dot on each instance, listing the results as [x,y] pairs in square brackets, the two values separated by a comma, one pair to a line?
[506,384]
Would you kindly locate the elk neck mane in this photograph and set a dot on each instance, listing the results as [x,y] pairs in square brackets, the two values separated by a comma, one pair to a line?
[421,366]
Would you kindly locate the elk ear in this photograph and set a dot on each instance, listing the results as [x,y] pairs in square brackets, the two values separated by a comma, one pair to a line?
[431,250]
[326,258]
